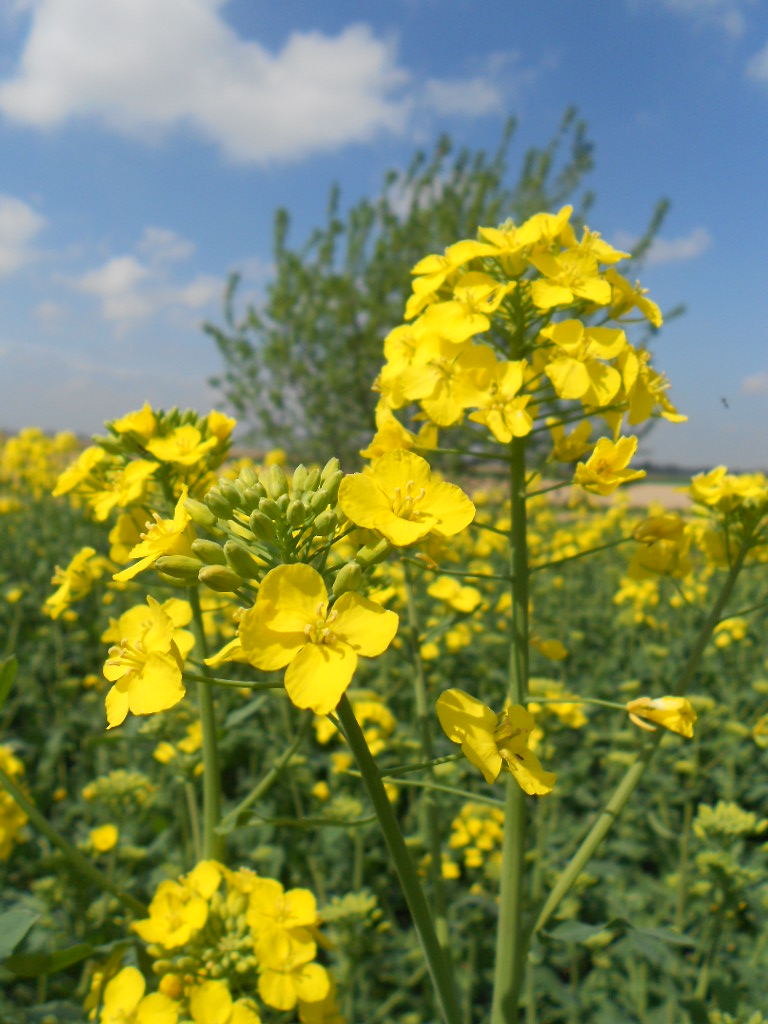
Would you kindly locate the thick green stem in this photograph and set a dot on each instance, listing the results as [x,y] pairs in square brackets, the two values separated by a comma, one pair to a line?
[439,969]
[635,771]
[431,821]
[77,860]
[213,842]
[511,943]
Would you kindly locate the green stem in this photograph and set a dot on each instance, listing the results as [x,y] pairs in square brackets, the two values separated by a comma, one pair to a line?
[439,969]
[431,821]
[213,842]
[511,944]
[581,554]
[233,684]
[231,820]
[635,771]
[77,860]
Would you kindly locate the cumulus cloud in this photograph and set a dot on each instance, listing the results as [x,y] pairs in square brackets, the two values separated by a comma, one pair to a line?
[19,226]
[141,69]
[670,250]
[131,289]
[755,384]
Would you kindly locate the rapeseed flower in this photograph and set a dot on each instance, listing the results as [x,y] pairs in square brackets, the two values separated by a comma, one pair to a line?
[125,1002]
[494,742]
[400,499]
[673,713]
[163,537]
[606,467]
[290,625]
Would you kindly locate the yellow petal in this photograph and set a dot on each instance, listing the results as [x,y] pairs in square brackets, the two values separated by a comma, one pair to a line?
[318,676]
[529,774]
[297,596]
[364,625]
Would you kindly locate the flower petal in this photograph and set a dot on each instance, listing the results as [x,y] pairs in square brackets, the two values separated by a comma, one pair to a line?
[364,625]
[318,676]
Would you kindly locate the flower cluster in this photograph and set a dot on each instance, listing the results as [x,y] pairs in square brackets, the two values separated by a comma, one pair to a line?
[12,818]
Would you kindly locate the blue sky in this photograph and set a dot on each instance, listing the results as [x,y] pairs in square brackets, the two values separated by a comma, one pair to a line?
[145,145]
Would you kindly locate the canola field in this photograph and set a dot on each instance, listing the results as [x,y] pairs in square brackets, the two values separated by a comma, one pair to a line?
[449,739]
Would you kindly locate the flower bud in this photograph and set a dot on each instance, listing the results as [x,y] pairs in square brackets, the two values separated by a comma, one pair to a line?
[242,561]
[372,554]
[325,523]
[251,498]
[348,578]
[329,469]
[218,504]
[282,503]
[319,500]
[230,491]
[220,578]
[275,481]
[313,479]
[200,514]
[299,479]
[261,526]
[208,551]
[331,485]
[270,509]
[180,567]
[296,512]
[171,581]
[247,476]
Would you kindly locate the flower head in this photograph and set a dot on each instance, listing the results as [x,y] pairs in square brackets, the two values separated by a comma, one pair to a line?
[673,713]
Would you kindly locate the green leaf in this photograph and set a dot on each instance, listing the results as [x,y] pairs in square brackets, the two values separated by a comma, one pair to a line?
[14,925]
[7,677]
[575,931]
[31,965]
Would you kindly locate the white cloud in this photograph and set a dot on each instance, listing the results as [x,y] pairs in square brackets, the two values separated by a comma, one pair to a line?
[669,250]
[728,15]
[473,97]
[140,68]
[755,384]
[757,66]
[130,290]
[19,226]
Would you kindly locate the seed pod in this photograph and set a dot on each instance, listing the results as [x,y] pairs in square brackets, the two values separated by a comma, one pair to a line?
[261,526]
[296,512]
[348,578]
[326,523]
[180,567]
[242,561]
[208,551]
[220,578]
[200,514]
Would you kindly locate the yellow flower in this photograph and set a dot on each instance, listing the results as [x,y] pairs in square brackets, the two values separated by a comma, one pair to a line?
[164,537]
[142,423]
[145,667]
[503,409]
[287,975]
[176,913]
[75,581]
[578,369]
[400,500]
[125,1002]
[276,916]
[290,625]
[673,713]
[606,467]
[494,742]
[184,446]
[104,838]
[211,1003]
[125,488]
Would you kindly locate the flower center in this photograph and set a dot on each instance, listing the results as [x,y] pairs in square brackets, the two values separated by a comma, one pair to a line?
[404,504]
[321,632]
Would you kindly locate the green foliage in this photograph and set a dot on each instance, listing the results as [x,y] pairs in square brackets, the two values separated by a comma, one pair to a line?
[298,368]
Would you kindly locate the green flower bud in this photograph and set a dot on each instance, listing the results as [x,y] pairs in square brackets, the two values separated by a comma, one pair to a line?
[348,578]
[218,504]
[229,491]
[171,581]
[299,479]
[200,514]
[331,485]
[181,567]
[270,509]
[242,561]
[371,554]
[208,551]
[248,476]
[162,967]
[319,500]
[275,481]
[329,469]
[261,526]
[220,578]
[313,479]
[326,523]
[251,498]
[282,503]
[296,512]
